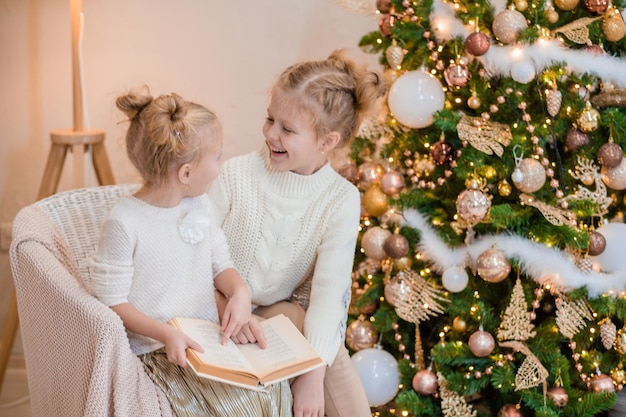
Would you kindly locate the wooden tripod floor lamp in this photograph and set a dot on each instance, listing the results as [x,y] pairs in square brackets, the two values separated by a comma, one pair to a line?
[78,140]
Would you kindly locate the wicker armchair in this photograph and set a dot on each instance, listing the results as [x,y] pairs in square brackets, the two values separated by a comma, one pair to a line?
[78,359]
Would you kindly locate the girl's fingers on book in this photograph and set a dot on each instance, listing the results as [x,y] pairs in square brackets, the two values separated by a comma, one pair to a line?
[257,332]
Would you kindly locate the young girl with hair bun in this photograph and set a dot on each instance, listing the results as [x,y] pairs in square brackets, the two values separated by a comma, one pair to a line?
[292,222]
[161,255]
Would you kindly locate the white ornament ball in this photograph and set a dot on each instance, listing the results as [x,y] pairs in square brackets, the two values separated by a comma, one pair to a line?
[455,279]
[373,242]
[379,374]
[507,24]
[414,97]
[523,72]
[615,178]
[612,258]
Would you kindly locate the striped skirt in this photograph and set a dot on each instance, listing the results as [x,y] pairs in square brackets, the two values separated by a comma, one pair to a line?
[192,396]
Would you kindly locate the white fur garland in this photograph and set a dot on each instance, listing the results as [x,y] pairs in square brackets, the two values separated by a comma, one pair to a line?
[500,60]
[541,263]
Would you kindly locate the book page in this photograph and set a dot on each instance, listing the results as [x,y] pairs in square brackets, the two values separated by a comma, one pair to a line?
[209,335]
[286,347]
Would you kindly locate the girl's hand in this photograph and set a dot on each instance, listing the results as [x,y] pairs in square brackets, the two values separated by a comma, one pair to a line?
[237,313]
[176,344]
[251,332]
[308,394]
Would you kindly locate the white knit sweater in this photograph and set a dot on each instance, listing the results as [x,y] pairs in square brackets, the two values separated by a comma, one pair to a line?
[160,260]
[286,229]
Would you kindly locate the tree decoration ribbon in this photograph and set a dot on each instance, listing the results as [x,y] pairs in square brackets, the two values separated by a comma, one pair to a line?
[487,137]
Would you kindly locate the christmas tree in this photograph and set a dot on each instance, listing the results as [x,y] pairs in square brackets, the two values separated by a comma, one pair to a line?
[489,265]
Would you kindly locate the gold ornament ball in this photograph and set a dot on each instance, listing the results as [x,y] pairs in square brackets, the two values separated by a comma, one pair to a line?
[566,5]
[459,325]
[618,375]
[521,5]
[504,188]
[473,205]
[481,343]
[361,334]
[602,383]
[507,24]
[552,16]
[372,242]
[473,102]
[375,201]
[493,266]
[613,26]
[488,171]
[558,395]
[390,75]
[425,382]
[530,177]
[615,178]
[403,263]
[589,119]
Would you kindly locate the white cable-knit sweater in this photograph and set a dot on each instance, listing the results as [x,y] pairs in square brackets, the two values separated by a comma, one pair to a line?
[286,229]
[160,260]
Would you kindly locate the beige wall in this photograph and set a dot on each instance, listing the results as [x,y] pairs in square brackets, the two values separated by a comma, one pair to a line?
[223,54]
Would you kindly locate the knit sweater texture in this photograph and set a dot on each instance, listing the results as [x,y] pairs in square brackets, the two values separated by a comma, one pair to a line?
[292,236]
[160,260]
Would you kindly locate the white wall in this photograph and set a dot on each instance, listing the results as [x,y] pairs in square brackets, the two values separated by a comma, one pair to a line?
[223,54]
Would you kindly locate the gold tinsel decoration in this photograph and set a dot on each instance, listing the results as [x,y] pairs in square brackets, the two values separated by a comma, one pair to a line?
[516,324]
[452,404]
[555,215]
[571,316]
[487,137]
[577,31]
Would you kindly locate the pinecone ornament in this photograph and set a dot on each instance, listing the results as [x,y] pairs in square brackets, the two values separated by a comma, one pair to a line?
[553,101]
[608,332]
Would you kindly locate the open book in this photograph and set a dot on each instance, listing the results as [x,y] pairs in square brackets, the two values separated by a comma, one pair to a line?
[287,354]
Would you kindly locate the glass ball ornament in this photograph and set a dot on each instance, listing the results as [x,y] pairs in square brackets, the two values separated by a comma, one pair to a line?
[473,205]
[507,24]
[576,139]
[454,279]
[396,246]
[597,243]
[529,176]
[383,6]
[597,7]
[378,371]
[504,188]
[615,178]
[493,266]
[552,15]
[620,341]
[425,382]
[414,97]
[473,102]
[459,325]
[613,25]
[477,44]
[361,334]
[589,119]
[481,343]
[442,152]
[373,241]
[368,173]
[558,395]
[403,263]
[601,383]
[384,24]
[375,201]
[392,183]
[610,155]
[612,258]
[397,290]
[358,306]
[566,5]
[457,75]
